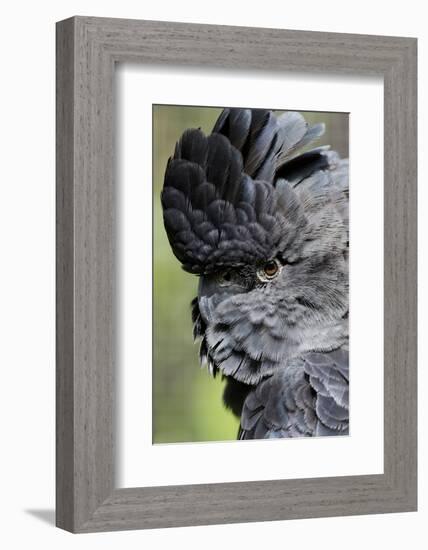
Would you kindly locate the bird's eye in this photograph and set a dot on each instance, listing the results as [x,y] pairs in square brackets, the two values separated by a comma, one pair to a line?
[269,271]
[225,277]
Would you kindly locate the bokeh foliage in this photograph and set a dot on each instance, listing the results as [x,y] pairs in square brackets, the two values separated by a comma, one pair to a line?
[187,402]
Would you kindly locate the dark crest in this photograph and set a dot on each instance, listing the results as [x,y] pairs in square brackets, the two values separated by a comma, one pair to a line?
[220,200]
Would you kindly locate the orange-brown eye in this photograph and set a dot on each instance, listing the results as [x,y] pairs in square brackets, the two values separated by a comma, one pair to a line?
[271,269]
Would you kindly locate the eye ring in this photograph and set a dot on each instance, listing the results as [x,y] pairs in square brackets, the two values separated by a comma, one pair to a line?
[269,271]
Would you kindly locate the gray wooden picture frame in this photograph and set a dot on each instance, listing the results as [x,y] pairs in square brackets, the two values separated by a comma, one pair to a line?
[87,50]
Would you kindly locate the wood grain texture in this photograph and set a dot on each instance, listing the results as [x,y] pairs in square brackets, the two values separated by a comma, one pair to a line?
[64,277]
[87,49]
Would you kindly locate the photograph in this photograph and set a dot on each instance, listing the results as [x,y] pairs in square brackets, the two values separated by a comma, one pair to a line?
[250,273]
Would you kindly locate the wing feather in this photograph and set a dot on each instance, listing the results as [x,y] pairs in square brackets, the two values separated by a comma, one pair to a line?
[308,397]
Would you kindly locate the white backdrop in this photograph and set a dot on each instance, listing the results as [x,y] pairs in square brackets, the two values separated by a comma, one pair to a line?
[27,273]
[361,452]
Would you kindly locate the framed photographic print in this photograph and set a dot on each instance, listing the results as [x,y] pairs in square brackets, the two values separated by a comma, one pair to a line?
[241,200]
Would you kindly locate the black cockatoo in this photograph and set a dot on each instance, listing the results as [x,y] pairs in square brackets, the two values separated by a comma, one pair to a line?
[265,227]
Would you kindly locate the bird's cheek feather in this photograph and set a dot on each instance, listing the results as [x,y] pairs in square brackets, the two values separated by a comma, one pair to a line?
[211,294]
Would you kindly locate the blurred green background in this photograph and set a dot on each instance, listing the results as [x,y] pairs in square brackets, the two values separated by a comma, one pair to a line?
[187,401]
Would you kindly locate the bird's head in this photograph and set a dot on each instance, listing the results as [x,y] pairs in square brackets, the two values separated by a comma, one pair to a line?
[270,252]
